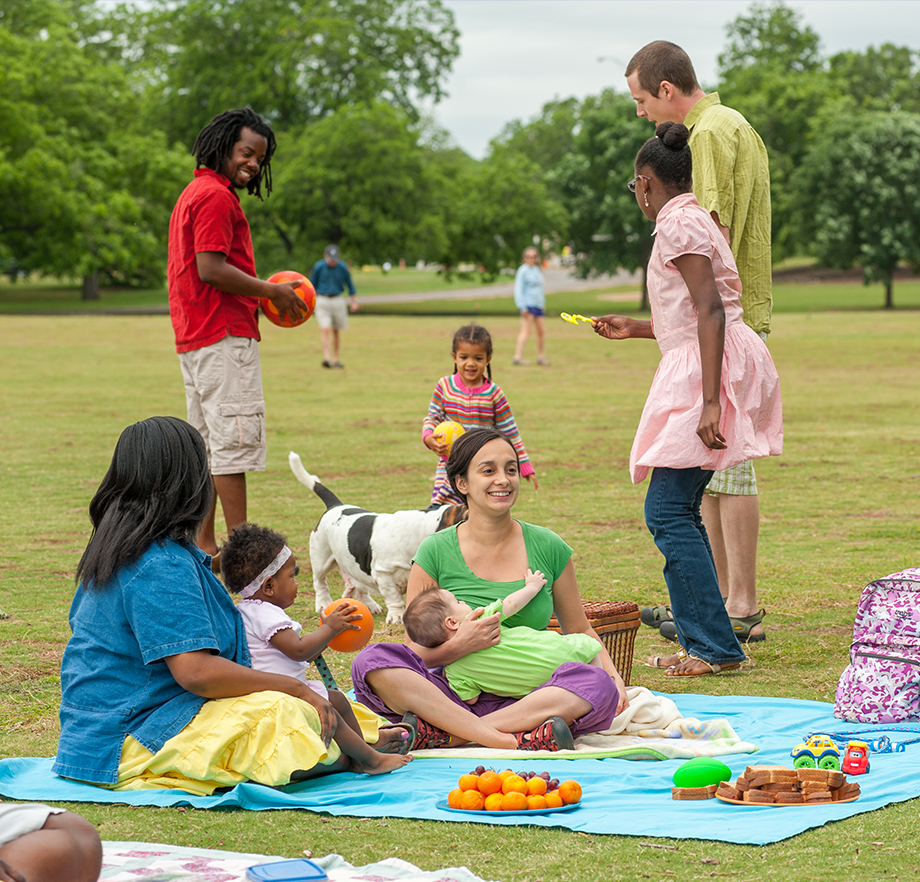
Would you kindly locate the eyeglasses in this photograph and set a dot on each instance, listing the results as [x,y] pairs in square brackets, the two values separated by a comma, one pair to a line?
[631,186]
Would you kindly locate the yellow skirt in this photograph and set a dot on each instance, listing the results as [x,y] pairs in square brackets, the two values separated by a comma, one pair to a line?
[261,737]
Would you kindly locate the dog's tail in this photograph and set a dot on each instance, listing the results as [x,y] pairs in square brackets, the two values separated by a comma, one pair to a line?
[311,481]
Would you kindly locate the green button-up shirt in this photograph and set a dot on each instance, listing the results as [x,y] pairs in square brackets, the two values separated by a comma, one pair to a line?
[731,176]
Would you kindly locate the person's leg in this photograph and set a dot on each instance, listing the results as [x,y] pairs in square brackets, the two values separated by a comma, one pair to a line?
[522,336]
[364,757]
[403,691]
[531,710]
[711,512]
[232,492]
[740,516]
[335,346]
[207,536]
[66,849]
[672,513]
[539,324]
[325,334]
[392,738]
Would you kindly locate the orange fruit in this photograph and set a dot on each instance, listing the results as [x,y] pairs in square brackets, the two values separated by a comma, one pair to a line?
[490,782]
[536,802]
[514,783]
[553,799]
[570,792]
[493,802]
[514,801]
[469,782]
[507,773]
[471,800]
[453,798]
[536,786]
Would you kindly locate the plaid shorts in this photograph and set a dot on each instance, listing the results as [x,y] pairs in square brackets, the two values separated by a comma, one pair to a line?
[737,480]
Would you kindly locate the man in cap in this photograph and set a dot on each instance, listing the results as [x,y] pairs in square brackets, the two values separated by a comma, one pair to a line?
[330,277]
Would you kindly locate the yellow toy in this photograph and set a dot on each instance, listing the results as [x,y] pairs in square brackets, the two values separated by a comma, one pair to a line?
[448,432]
[574,319]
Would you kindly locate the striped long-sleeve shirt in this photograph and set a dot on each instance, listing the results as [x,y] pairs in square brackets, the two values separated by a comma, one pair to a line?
[485,406]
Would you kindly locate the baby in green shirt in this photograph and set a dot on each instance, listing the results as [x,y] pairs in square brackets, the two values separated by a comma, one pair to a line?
[522,661]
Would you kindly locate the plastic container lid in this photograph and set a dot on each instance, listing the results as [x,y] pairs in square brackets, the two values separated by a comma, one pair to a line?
[300,870]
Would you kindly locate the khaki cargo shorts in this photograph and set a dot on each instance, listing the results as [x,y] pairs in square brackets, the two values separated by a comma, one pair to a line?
[331,312]
[223,394]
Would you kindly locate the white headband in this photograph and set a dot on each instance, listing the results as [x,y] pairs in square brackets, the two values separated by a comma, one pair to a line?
[267,573]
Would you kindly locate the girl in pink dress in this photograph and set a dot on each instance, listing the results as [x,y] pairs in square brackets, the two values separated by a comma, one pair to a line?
[714,401]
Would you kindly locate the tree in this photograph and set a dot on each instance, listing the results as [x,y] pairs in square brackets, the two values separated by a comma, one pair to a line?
[292,60]
[86,193]
[358,179]
[860,194]
[605,224]
[886,78]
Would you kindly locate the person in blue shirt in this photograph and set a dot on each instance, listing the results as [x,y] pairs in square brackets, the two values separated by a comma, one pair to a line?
[530,300]
[157,687]
[330,277]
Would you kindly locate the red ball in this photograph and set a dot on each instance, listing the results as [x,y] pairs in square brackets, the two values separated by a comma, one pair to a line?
[348,640]
[304,290]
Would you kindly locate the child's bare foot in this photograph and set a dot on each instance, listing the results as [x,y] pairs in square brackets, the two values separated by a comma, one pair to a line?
[395,738]
[382,763]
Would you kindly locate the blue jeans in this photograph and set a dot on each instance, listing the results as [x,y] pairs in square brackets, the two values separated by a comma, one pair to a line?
[672,514]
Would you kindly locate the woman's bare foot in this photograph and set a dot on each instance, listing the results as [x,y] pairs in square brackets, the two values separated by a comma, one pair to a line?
[381,763]
[393,739]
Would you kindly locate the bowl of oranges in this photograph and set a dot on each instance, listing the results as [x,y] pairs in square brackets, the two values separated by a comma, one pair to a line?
[485,790]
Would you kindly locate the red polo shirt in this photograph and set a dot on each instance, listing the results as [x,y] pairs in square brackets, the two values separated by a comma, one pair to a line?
[208,217]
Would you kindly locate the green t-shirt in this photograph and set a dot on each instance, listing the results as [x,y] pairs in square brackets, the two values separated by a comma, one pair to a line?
[524,660]
[439,555]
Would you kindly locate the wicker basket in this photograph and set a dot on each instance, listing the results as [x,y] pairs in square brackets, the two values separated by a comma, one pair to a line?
[616,623]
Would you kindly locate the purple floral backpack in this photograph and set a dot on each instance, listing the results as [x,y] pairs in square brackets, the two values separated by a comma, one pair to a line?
[881,684]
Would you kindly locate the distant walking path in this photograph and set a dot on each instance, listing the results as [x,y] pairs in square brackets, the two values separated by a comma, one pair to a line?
[553,280]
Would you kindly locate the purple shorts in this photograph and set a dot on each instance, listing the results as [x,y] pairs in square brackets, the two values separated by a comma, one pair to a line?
[586,681]
[537,311]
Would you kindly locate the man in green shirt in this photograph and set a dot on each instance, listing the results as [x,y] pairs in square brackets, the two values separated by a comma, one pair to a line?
[731,179]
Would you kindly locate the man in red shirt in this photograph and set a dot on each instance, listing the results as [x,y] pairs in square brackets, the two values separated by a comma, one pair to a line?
[213,302]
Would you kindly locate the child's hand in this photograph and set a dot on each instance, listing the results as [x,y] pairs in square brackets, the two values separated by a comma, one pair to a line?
[341,617]
[708,429]
[533,480]
[613,327]
[534,579]
[438,446]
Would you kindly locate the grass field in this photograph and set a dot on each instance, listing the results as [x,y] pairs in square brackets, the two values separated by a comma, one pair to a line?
[838,509]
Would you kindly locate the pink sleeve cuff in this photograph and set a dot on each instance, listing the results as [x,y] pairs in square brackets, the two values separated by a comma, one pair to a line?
[527,469]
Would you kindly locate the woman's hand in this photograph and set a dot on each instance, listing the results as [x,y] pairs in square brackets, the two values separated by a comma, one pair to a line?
[477,632]
[341,618]
[708,429]
[328,719]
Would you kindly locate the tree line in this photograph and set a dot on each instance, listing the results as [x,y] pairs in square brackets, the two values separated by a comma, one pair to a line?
[101,107]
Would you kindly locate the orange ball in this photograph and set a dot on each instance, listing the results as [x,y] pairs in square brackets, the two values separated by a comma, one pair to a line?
[348,640]
[305,291]
[570,792]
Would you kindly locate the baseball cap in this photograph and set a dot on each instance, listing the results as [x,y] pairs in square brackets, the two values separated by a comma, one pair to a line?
[331,251]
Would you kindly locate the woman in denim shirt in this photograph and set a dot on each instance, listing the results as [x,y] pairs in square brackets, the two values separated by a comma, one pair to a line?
[157,688]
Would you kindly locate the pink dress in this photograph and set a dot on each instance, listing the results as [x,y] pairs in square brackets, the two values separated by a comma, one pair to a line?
[752,414]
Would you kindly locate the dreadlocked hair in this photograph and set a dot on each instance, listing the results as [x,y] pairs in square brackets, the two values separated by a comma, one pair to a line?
[215,141]
[249,550]
[475,335]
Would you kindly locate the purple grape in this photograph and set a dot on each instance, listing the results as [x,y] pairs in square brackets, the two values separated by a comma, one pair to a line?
[553,784]
[479,770]
[544,776]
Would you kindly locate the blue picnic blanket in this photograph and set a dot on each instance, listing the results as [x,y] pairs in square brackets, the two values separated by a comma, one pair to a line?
[620,797]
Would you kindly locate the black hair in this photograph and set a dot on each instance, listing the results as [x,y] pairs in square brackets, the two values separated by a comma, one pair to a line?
[669,156]
[157,487]
[476,335]
[248,551]
[466,447]
[424,618]
[214,144]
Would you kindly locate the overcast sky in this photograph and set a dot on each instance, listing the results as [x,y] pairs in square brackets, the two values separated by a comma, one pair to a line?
[515,55]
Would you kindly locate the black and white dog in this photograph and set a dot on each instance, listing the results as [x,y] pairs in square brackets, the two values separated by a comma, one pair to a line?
[373,551]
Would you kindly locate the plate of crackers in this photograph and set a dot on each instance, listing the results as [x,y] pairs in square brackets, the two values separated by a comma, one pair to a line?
[781,786]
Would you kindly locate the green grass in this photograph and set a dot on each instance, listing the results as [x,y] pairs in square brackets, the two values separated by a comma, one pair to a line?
[838,509]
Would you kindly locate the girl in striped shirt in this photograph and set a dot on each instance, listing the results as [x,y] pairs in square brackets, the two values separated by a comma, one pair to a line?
[470,398]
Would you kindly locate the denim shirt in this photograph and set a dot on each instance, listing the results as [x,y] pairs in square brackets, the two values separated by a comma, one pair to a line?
[114,679]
